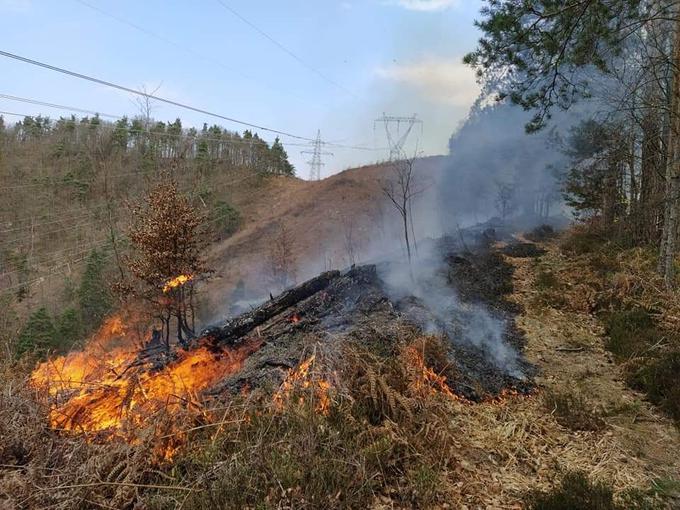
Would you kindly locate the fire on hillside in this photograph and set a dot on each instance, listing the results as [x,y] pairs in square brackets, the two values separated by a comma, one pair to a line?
[120,381]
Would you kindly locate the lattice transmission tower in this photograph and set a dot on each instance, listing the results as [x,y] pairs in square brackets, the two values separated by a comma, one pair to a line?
[397,140]
[315,163]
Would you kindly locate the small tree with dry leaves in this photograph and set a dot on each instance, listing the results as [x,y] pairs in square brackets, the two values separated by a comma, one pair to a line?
[169,243]
[281,260]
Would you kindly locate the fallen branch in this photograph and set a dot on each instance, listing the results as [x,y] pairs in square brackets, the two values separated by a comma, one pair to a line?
[570,349]
[119,484]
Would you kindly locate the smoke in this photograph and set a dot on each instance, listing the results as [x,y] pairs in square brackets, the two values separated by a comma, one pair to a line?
[468,322]
[492,152]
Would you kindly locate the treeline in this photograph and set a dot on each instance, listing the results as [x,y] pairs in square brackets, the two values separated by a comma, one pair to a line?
[151,140]
[619,61]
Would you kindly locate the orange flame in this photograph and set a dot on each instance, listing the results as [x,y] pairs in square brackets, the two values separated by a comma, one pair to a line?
[109,388]
[177,281]
[424,380]
[302,378]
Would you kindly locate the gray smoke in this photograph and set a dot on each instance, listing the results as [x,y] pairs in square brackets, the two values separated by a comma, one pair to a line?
[470,323]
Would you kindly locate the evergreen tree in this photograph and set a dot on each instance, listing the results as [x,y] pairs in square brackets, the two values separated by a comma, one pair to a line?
[69,329]
[536,51]
[38,334]
[120,134]
[280,162]
[93,295]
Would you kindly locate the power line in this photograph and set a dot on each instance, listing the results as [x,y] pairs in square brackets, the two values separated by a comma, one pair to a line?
[60,219]
[52,273]
[147,95]
[215,188]
[285,49]
[54,105]
[186,49]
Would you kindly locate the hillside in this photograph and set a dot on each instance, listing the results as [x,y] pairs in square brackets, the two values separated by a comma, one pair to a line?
[318,216]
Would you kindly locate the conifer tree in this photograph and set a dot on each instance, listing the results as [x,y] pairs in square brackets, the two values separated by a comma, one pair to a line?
[94,296]
[38,334]
[69,329]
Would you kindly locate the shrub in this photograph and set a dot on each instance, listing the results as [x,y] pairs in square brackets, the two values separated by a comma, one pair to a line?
[580,241]
[546,280]
[630,332]
[541,233]
[69,329]
[571,410]
[575,492]
[659,380]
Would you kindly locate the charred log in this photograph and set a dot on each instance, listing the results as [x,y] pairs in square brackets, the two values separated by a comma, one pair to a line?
[233,330]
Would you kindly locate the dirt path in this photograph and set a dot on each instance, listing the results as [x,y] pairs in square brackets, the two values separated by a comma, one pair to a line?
[568,348]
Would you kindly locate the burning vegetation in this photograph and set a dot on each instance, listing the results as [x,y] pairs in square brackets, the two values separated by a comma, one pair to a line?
[337,393]
[124,378]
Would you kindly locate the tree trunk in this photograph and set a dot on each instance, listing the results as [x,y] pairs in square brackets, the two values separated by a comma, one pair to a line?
[670,225]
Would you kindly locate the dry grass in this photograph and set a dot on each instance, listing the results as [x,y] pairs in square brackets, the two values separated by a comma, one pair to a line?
[365,426]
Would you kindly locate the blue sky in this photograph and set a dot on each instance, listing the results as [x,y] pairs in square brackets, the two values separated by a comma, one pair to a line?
[395,56]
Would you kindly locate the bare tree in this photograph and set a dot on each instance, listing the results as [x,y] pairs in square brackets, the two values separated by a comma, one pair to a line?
[145,104]
[350,238]
[505,198]
[400,189]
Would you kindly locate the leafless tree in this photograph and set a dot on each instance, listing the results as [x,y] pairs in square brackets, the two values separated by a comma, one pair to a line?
[505,198]
[145,104]
[400,188]
[351,239]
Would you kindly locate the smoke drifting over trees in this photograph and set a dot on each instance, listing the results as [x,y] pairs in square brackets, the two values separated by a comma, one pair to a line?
[496,169]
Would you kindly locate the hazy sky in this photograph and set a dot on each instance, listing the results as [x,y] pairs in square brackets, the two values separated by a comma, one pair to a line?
[395,56]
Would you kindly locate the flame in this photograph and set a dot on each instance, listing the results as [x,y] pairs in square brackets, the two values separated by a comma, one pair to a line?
[111,348]
[302,378]
[177,281]
[294,319]
[424,380]
[109,388]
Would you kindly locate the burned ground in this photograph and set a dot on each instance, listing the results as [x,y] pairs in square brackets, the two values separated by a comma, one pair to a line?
[358,306]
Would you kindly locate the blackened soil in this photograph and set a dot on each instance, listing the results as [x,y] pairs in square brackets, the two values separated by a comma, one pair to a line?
[523,250]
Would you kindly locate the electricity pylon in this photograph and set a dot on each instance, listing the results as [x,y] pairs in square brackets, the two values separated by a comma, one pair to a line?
[397,140]
[315,163]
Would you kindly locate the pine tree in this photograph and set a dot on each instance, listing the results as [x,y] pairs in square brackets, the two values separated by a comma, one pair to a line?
[279,157]
[38,334]
[69,329]
[94,296]
[121,134]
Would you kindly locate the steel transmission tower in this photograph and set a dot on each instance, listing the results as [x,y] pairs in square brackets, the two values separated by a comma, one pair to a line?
[315,163]
[397,140]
